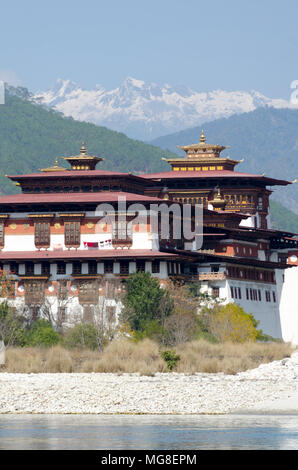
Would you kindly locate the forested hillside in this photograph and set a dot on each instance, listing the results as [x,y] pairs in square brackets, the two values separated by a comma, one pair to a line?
[32,137]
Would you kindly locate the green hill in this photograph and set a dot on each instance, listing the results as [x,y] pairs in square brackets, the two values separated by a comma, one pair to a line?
[266,138]
[282,218]
[32,137]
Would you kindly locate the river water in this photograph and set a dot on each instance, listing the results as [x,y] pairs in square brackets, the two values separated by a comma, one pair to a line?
[191,432]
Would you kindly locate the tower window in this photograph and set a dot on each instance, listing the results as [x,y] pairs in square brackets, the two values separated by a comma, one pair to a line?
[72,232]
[42,234]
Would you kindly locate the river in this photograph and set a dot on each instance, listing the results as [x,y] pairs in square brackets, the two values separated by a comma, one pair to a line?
[173,432]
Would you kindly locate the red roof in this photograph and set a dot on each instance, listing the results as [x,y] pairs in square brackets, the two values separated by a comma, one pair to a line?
[212,174]
[82,254]
[109,196]
[74,174]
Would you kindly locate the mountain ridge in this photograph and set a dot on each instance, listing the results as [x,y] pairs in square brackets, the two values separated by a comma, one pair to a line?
[146,110]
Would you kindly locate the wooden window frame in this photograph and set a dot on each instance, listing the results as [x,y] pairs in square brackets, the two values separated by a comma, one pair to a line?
[140,266]
[155,267]
[77,268]
[42,234]
[45,268]
[61,267]
[72,234]
[108,267]
[92,267]
[29,268]
[2,238]
[124,267]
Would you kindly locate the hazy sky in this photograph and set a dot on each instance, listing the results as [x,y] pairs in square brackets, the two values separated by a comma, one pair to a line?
[206,45]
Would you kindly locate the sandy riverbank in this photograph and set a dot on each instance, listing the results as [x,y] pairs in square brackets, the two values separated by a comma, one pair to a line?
[271,387]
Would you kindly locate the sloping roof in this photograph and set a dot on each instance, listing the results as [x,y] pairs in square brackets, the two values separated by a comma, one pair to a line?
[109,196]
[69,173]
[83,254]
[74,174]
[213,174]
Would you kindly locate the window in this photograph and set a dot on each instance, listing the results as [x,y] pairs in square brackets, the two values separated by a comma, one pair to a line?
[274,296]
[140,266]
[13,268]
[108,267]
[45,269]
[239,293]
[215,268]
[247,294]
[92,267]
[72,232]
[122,231]
[1,234]
[215,291]
[77,268]
[61,268]
[155,266]
[260,295]
[124,267]
[42,234]
[30,269]
[88,293]
[232,292]
[268,296]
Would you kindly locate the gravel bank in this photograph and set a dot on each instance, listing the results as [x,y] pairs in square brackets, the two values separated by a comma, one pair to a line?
[270,386]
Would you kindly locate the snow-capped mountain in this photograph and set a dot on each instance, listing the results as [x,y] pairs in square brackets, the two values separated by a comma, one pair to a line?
[146,111]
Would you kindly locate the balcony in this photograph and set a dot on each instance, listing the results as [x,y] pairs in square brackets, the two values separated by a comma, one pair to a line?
[122,243]
[221,276]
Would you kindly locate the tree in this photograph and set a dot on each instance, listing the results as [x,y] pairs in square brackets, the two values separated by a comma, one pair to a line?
[82,336]
[144,301]
[6,284]
[41,333]
[231,323]
[11,326]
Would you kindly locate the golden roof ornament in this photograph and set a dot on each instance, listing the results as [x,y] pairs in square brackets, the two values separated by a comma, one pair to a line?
[218,201]
[83,161]
[55,167]
[202,139]
[83,149]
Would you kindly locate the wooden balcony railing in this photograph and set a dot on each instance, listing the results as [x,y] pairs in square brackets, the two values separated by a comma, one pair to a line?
[221,276]
[122,243]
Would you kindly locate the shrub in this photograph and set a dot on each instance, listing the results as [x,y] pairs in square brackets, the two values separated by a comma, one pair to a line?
[144,301]
[152,330]
[41,333]
[171,358]
[82,336]
[12,331]
[231,323]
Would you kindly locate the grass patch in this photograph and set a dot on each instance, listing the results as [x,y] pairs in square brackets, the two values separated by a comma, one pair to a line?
[145,357]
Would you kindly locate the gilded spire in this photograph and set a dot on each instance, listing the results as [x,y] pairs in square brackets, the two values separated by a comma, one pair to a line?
[55,167]
[202,139]
[83,161]
[83,149]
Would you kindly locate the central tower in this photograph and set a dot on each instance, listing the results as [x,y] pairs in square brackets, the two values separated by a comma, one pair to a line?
[202,157]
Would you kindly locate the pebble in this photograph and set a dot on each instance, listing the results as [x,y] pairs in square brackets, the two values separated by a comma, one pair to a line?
[163,393]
